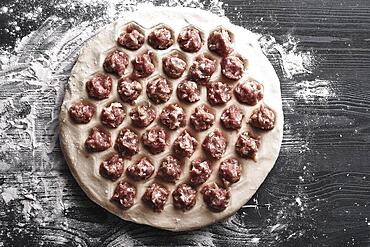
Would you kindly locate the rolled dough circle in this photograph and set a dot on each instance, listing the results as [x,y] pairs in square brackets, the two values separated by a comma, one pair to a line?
[85,166]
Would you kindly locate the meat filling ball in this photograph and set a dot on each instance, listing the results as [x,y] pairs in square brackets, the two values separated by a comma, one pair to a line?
[202,118]
[230,171]
[112,168]
[170,169]
[249,92]
[156,196]
[184,197]
[232,117]
[127,143]
[214,145]
[202,69]
[129,90]
[173,116]
[247,145]
[99,86]
[143,65]
[173,66]
[124,194]
[132,38]
[184,145]
[263,118]
[190,40]
[200,171]
[160,38]
[232,67]
[219,41]
[116,62]
[142,115]
[98,140]
[141,170]
[81,112]
[188,91]
[216,198]
[154,140]
[218,93]
[113,115]
[159,90]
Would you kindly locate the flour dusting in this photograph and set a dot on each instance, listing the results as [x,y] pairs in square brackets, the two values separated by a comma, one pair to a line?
[33,75]
[9,194]
[293,61]
[319,90]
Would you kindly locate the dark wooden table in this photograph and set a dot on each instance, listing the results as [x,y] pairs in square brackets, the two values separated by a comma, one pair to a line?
[318,193]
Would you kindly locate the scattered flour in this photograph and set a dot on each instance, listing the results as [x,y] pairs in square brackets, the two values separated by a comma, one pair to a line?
[9,194]
[292,61]
[316,90]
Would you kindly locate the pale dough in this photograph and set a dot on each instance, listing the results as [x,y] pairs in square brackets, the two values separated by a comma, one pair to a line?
[85,166]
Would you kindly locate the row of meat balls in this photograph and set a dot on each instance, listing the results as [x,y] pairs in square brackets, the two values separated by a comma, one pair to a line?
[189,39]
[159,89]
[174,65]
[155,139]
[184,196]
[172,116]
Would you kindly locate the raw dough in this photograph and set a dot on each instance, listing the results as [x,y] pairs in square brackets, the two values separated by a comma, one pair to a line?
[85,166]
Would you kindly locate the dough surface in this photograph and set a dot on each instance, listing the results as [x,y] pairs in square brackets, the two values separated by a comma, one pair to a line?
[85,166]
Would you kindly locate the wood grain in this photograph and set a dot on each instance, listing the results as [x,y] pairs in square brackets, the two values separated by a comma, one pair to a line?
[318,194]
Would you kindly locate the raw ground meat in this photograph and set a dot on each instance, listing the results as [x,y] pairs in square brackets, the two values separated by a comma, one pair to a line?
[132,38]
[142,115]
[190,40]
[216,198]
[218,93]
[113,115]
[98,140]
[188,91]
[81,112]
[214,145]
[247,145]
[200,171]
[232,67]
[232,117]
[219,41]
[159,90]
[143,65]
[160,38]
[170,169]
[99,86]
[184,197]
[249,92]
[116,62]
[173,66]
[230,171]
[202,69]
[127,143]
[141,170]
[154,140]
[156,196]
[263,118]
[202,118]
[124,195]
[112,168]
[173,116]
[129,90]
[185,145]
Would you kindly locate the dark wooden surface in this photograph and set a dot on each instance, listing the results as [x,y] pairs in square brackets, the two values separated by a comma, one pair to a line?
[318,193]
